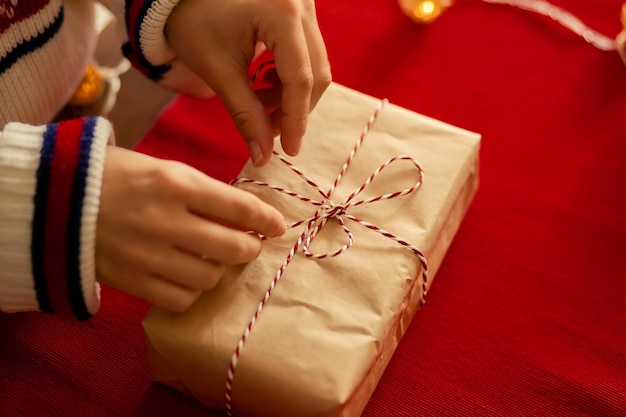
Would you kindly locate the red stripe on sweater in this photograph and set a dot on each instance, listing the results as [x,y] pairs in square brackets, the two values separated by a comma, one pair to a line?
[23,10]
[62,169]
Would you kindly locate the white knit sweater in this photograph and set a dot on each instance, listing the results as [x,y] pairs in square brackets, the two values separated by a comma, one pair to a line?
[51,173]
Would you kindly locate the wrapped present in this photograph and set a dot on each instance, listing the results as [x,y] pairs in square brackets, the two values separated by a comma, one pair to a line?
[307,329]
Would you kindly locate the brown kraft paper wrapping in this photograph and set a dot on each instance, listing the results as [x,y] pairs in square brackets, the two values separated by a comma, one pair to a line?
[331,325]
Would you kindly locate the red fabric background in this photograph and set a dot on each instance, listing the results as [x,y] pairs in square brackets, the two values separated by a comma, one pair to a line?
[527,315]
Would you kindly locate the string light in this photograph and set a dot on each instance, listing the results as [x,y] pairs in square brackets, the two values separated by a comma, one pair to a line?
[89,89]
[423,11]
[563,17]
[427,11]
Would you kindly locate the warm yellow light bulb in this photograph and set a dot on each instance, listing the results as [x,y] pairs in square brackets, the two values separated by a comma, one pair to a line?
[89,89]
[426,7]
[422,11]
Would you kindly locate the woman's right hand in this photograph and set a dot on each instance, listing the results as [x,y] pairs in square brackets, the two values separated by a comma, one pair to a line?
[217,40]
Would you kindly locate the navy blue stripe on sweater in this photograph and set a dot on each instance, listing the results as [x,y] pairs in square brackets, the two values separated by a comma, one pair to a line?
[75,289]
[25,47]
[39,218]
[136,12]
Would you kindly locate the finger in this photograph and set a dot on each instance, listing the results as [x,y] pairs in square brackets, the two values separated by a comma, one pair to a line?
[246,110]
[294,70]
[187,269]
[320,65]
[166,294]
[163,292]
[232,206]
[216,242]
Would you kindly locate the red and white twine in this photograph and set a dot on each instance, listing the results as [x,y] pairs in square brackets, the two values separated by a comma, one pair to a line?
[566,19]
[327,209]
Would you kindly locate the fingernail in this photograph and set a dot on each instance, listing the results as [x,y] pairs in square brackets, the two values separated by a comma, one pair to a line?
[295,147]
[255,152]
[282,229]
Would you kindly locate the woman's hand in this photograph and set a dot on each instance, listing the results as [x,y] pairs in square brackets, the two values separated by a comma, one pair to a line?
[217,40]
[166,231]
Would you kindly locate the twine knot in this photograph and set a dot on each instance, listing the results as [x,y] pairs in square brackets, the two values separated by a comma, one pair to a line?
[334,210]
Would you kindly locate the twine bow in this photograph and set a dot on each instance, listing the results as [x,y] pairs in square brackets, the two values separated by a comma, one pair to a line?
[327,209]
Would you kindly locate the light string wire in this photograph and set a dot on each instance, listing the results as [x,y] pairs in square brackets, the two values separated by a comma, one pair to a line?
[325,210]
[564,18]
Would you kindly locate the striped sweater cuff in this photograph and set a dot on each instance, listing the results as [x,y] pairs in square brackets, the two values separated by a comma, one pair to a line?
[147,47]
[50,182]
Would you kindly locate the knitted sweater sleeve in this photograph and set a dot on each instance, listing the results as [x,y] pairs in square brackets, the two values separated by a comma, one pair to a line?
[147,47]
[141,26]
[50,181]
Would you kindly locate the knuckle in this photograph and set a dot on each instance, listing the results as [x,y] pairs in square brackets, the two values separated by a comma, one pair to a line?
[306,80]
[242,117]
[171,178]
[176,172]
[292,8]
[308,6]
[244,249]
[324,79]
[301,78]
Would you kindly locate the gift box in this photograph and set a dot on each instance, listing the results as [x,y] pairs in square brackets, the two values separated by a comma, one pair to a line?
[375,199]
